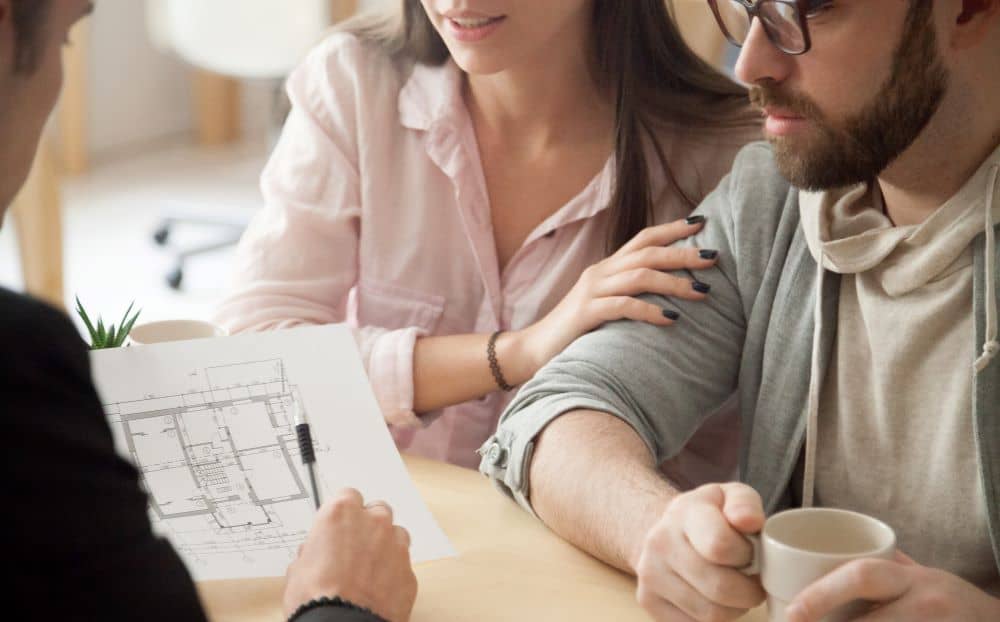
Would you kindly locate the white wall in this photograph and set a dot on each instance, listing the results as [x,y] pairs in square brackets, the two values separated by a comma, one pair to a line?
[139,94]
[136,93]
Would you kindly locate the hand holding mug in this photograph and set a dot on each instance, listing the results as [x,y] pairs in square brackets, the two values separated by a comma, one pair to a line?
[690,564]
[901,589]
[799,548]
[816,565]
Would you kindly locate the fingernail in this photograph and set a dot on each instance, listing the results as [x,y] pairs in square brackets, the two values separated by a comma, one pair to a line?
[670,314]
[701,288]
[708,254]
[694,220]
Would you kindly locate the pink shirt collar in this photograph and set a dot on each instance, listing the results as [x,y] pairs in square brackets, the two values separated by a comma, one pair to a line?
[431,101]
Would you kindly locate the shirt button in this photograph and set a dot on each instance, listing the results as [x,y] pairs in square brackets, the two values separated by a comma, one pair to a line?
[496,454]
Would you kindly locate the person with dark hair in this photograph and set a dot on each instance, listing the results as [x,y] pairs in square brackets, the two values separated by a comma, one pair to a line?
[27,16]
[76,536]
[855,311]
[472,185]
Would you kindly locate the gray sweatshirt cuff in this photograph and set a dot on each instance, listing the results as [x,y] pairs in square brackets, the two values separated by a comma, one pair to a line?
[506,456]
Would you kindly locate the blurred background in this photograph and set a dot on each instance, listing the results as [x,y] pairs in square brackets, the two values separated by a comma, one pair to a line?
[149,170]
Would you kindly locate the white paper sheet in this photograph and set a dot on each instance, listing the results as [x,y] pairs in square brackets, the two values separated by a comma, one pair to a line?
[210,423]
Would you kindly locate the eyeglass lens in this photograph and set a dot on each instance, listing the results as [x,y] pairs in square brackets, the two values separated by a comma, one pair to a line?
[780,19]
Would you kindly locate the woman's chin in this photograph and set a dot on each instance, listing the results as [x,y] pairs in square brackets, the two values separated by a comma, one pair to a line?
[478,63]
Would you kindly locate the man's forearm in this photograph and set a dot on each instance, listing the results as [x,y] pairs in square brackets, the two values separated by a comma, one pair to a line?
[594,483]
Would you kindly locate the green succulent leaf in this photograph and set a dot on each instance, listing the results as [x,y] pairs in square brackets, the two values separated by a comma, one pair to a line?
[127,311]
[112,336]
[109,339]
[86,320]
[127,326]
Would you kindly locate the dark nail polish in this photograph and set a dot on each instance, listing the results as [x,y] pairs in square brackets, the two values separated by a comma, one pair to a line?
[670,314]
[695,220]
[701,288]
[708,254]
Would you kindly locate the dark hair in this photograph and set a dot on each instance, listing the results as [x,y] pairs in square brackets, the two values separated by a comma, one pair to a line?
[638,55]
[27,16]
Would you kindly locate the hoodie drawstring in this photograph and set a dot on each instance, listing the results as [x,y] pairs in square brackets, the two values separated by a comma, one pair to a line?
[815,386]
[991,347]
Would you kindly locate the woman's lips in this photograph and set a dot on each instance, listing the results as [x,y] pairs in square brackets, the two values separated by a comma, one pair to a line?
[470,29]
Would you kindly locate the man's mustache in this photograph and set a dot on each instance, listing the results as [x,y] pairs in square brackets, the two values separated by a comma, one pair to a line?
[764,96]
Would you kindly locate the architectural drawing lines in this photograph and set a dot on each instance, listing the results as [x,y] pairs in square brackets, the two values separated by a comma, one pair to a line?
[220,462]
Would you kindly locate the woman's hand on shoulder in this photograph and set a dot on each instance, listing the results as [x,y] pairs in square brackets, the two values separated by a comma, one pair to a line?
[607,290]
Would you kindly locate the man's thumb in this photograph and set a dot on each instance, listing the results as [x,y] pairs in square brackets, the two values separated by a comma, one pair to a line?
[743,508]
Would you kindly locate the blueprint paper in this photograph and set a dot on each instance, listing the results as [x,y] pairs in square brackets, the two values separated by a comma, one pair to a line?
[210,424]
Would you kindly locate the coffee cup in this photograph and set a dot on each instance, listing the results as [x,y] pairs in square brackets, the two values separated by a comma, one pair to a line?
[797,547]
[173,330]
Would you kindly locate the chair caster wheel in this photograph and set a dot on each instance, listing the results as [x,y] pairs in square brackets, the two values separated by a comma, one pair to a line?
[175,277]
[161,235]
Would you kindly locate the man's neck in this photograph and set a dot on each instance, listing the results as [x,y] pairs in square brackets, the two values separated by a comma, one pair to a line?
[933,170]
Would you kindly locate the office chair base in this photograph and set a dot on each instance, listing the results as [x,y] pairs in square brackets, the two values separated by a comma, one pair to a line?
[161,235]
[175,277]
[232,231]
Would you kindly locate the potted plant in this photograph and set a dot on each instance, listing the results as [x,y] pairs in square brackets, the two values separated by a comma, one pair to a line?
[111,336]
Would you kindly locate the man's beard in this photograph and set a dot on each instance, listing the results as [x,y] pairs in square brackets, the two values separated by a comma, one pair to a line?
[860,148]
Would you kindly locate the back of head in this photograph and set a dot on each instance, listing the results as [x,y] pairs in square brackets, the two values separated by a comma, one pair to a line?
[26,96]
[27,18]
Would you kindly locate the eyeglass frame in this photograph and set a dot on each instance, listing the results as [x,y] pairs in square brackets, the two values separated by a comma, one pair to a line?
[753,11]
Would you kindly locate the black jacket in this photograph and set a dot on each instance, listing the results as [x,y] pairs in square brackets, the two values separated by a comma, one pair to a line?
[79,545]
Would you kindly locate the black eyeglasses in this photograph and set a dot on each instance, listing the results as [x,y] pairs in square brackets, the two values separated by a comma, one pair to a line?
[784,21]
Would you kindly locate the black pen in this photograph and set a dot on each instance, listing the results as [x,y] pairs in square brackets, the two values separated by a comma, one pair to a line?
[306,451]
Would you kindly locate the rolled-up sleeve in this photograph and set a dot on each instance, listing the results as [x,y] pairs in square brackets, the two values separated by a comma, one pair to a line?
[388,357]
[662,381]
[298,260]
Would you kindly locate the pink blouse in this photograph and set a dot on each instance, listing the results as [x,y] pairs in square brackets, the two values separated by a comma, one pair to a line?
[377,215]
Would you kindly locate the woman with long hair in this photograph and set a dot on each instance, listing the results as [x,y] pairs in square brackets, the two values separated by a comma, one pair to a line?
[472,184]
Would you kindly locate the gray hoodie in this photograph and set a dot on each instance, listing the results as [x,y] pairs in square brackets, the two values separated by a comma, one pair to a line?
[755,336]
[893,434]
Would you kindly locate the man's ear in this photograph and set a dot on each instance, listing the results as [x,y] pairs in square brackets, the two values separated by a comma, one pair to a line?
[976,21]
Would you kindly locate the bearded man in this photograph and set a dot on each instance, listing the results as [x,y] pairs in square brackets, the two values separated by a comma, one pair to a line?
[853,312]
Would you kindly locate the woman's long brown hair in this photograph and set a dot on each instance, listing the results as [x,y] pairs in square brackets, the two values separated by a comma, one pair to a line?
[638,55]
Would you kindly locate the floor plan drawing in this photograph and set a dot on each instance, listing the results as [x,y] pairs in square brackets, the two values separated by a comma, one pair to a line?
[221,465]
[210,425]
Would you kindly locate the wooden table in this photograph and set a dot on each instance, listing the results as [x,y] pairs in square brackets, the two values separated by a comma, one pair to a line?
[510,566]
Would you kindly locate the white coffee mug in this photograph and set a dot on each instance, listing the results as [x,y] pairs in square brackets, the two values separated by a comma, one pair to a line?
[797,547]
[172,330]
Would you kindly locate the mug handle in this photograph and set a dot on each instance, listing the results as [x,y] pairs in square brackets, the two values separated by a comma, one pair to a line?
[753,568]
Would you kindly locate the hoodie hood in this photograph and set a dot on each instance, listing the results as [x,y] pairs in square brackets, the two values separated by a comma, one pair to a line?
[849,230]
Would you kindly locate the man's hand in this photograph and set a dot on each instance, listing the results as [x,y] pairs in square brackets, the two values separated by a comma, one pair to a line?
[688,568]
[902,590]
[355,552]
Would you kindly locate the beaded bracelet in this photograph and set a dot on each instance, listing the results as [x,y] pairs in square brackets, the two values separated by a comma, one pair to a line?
[336,601]
[491,355]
